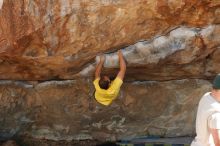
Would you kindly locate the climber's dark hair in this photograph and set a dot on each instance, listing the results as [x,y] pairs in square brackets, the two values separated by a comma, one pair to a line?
[104,84]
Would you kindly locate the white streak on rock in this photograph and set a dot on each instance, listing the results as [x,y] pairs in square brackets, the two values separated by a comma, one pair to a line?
[33,9]
[183,32]
[152,51]
[65,7]
[87,70]
[16,83]
[55,83]
[207,31]
[160,42]
[1,3]
[148,52]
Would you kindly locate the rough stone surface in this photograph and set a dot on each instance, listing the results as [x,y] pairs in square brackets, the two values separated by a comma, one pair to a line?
[9,143]
[44,40]
[29,141]
[171,47]
[183,51]
[66,110]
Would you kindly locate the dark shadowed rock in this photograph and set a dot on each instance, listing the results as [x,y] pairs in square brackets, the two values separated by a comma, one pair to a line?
[9,143]
[67,110]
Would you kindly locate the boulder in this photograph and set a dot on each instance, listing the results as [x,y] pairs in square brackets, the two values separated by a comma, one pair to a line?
[45,40]
[67,110]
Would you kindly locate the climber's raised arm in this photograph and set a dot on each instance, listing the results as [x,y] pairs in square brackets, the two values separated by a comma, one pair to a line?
[99,66]
[122,63]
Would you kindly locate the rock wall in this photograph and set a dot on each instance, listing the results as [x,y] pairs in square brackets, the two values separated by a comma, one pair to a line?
[48,52]
[66,110]
[56,39]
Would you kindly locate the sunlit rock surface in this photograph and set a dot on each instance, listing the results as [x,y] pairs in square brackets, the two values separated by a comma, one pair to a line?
[184,51]
[48,53]
[43,40]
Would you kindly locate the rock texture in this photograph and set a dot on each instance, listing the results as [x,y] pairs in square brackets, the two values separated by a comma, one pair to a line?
[48,51]
[9,143]
[66,110]
[43,40]
[182,53]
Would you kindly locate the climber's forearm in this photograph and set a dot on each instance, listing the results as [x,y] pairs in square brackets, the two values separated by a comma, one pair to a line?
[99,67]
[122,63]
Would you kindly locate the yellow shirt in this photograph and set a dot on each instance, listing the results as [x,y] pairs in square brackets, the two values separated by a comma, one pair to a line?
[106,97]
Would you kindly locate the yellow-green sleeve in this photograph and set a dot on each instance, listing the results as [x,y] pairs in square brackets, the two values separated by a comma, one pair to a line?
[117,83]
[96,83]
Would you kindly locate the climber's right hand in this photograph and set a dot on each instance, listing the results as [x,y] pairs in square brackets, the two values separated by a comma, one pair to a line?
[102,58]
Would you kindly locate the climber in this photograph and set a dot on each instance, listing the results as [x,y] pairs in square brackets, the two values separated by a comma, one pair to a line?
[107,91]
[208,117]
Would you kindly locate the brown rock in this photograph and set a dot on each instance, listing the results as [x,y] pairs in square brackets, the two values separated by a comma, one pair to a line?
[67,110]
[171,49]
[9,143]
[43,40]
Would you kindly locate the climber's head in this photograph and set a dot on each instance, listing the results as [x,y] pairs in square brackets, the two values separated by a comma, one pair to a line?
[216,88]
[104,82]
[216,82]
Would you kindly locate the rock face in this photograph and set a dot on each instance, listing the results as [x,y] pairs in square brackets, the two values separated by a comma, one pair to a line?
[43,40]
[66,110]
[171,48]
[9,143]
